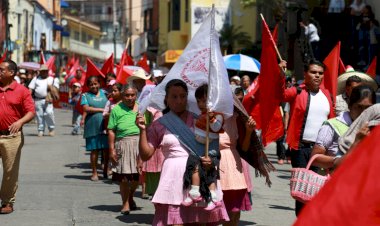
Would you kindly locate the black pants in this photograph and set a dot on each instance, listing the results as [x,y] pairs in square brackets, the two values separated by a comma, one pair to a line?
[300,158]
[280,149]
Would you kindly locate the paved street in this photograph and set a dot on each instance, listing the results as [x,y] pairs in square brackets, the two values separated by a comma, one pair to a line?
[55,187]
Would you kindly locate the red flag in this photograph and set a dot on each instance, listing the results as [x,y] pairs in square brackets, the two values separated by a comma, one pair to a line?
[143,63]
[51,64]
[42,57]
[4,56]
[342,68]
[372,68]
[123,74]
[73,69]
[108,65]
[330,80]
[275,34]
[92,70]
[252,105]
[128,60]
[351,197]
[269,81]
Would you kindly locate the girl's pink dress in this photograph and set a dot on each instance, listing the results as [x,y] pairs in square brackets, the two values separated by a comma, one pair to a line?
[170,193]
[234,172]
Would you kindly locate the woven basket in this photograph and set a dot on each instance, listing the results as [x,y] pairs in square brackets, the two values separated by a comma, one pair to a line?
[305,184]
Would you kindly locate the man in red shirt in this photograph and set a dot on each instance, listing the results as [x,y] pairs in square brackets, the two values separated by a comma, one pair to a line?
[17,108]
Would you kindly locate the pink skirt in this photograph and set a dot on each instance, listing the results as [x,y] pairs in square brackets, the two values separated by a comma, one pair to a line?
[236,200]
[172,214]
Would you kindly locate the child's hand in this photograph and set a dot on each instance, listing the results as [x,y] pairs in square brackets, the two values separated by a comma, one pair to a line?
[250,125]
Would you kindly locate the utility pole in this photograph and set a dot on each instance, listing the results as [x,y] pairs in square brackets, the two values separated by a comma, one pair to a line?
[115,25]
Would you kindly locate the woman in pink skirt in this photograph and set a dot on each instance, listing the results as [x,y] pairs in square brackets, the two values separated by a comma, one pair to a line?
[234,172]
[170,192]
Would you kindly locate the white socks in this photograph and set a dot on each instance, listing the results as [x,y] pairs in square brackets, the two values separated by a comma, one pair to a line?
[194,191]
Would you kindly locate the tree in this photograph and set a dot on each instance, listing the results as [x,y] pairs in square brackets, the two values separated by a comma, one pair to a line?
[231,35]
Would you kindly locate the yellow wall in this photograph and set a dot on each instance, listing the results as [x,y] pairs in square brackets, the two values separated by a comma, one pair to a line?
[177,40]
[48,5]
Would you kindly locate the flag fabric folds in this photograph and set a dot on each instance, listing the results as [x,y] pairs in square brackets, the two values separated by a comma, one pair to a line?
[93,70]
[269,83]
[201,57]
[42,58]
[330,80]
[4,56]
[143,62]
[372,68]
[342,67]
[351,197]
[108,65]
[122,73]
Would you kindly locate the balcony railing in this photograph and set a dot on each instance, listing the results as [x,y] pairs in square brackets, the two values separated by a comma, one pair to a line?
[86,50]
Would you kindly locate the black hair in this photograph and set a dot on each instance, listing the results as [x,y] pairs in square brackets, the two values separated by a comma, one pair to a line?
[12,66]
[238,90]
[360,92]
[201,91]
[119,86]
[172,83]
[128,86]
[110,74]
[314,62]
[352,79]
[288,79]
[90,78]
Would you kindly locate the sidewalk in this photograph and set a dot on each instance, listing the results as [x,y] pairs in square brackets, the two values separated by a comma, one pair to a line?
[55,187]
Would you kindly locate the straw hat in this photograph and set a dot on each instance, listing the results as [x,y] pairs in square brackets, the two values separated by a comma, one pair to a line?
[138,74]
[44,67]
[366,79]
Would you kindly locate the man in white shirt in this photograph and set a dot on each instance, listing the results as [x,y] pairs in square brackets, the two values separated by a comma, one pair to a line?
[44,109]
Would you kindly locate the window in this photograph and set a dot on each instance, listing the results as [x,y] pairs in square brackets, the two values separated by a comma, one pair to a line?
[175,15]
[148,19]
[76,35]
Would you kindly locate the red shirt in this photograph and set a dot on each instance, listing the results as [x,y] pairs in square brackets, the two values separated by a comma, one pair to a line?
[15,102]
[74,80]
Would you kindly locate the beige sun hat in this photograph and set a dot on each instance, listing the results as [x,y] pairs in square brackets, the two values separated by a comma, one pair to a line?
[138,74]
[44,67]
[366,79]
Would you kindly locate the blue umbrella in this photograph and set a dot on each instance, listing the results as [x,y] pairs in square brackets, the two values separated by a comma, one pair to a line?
[240,62]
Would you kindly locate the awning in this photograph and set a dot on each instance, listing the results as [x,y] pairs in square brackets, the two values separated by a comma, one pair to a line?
[57,27]
[170,56]
[64,4]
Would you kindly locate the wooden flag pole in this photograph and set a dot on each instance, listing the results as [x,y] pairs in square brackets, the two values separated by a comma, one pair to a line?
[127,43]
[271,38]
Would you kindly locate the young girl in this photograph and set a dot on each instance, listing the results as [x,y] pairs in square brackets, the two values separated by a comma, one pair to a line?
[203,181]
[93,103]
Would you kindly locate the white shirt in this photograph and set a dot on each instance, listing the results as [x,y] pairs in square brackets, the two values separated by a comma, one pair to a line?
[319,110]
[336,6]
[312,32]
[40,85]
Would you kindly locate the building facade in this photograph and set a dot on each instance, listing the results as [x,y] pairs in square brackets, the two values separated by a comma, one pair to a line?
[180,20]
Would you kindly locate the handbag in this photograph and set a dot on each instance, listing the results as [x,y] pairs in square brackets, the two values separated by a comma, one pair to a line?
[304,183]
[52,94]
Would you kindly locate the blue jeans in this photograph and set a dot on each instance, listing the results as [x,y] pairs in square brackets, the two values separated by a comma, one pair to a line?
[45,114]
[77,117]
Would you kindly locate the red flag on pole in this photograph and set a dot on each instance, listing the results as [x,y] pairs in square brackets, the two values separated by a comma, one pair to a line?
[351,197]
[342,68]
[269,81]
[330,80]
[4,56]
[372,68]
[51,63]
[275,34]
[108,65]
[92,69]
[122,72]
[73,69]
[143,62]
[42,57]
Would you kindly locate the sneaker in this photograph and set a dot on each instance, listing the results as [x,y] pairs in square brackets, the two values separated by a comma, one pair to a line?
[212,205]
[40,134]
[51,133]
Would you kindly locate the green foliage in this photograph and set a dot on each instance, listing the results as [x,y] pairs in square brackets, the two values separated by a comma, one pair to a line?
[231,35]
